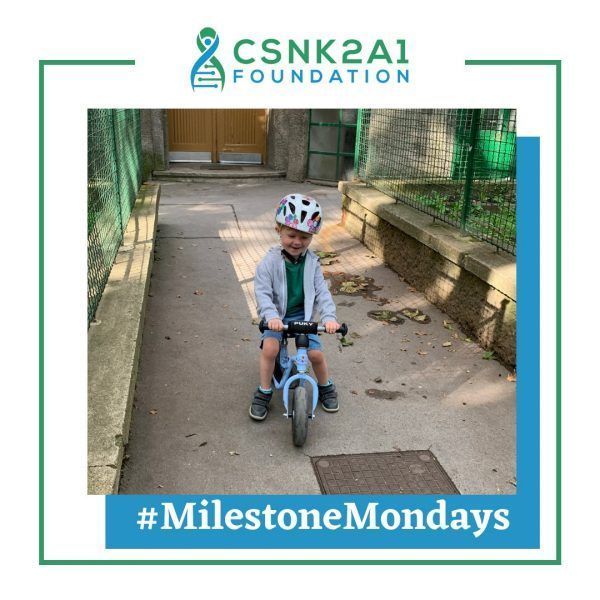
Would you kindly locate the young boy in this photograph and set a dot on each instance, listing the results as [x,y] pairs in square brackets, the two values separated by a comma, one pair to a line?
[289,286]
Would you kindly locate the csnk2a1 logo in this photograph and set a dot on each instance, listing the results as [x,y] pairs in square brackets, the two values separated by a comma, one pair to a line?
[304,62]
[207,71]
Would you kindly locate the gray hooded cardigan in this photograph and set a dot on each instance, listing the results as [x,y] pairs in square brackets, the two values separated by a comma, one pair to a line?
[270,288]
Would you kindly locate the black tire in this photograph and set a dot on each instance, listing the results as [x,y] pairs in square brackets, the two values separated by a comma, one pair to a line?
[296,383]
[299,416]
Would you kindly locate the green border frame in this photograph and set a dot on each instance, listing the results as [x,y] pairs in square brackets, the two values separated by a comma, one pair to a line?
[557,64]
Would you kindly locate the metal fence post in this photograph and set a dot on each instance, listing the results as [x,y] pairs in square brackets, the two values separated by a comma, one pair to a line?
[357,143]
[470,167]
[116,159]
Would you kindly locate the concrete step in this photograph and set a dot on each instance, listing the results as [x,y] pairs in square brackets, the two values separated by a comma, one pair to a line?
[199,171]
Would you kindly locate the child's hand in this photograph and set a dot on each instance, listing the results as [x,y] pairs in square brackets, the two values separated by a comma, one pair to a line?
[331,326]
[276,325]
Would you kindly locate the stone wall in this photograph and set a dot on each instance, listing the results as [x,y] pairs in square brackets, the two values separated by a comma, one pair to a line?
[468,279]
[421,142]
[155,141]
[287,142]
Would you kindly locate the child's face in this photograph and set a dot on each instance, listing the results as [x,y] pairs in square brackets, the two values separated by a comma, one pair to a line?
[293,241]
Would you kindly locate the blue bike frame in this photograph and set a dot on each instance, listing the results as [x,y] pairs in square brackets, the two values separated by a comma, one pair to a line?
[287,362]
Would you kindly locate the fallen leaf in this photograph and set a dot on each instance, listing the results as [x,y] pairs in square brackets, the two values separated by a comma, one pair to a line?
[422,352]
[245,339]
[234,453]
[378,380]
[448,325]
[446,344]
[387,316]
[488,355]
[321,254]
[202,444]
[327,262]
[160,486]
[346,342]
[349,287]
[355,335]
[354,392]
[512,376]
[190,435]
[153,412]
[198,292]
[416,315]
[179,247]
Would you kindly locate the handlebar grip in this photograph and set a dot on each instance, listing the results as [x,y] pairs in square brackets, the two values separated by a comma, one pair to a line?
[263,326]
[343,329]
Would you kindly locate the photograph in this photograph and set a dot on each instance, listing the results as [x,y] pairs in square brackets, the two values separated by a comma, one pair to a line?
[302,301]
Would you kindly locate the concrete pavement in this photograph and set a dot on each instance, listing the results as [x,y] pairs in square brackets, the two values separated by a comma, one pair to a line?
[190,430]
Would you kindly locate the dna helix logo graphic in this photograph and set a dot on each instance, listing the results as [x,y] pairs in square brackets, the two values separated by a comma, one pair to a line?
[207,71]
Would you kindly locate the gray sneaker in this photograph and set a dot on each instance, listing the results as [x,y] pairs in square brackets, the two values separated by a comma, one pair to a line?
[328,398]
[259,409]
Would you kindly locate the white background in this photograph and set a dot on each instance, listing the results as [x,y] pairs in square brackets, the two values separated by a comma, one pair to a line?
[161,38]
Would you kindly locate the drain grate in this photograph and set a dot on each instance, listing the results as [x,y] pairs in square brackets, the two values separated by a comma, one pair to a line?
[410,472]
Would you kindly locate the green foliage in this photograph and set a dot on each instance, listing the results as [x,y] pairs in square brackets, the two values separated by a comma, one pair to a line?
[494,219]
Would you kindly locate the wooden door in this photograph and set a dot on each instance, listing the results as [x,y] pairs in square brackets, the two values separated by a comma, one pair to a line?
[241,132]
[192,132]
[211,135]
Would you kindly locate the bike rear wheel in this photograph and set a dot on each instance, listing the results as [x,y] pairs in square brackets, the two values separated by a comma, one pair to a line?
[300,416]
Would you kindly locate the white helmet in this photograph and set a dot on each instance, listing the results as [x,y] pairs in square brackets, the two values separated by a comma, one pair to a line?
[300,212]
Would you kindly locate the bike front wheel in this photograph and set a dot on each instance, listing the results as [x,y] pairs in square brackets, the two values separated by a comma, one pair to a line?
[300,416]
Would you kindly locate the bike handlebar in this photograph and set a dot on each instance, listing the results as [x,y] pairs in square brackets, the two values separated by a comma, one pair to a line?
[303,327]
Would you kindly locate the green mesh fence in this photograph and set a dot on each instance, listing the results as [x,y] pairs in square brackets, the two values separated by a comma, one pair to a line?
[457,165]
[114,177]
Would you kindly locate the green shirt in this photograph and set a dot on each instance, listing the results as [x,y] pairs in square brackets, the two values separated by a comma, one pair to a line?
[295,287]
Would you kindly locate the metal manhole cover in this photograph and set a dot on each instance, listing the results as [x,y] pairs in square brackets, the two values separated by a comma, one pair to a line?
[410,472]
